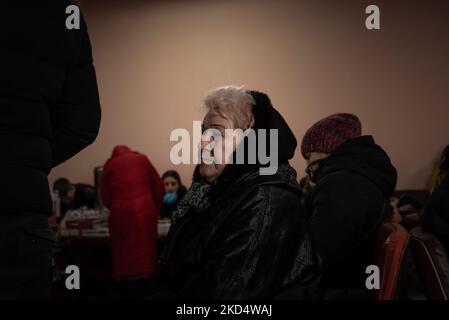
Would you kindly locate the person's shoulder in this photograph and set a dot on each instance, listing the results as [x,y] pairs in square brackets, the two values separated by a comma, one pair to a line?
[278,189]
[342,186]
[345,178]
[276,195]
[285,177]
[108,164]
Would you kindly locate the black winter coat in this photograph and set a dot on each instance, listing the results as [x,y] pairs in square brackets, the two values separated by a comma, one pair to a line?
[249,244]
[49,104]
[348,202]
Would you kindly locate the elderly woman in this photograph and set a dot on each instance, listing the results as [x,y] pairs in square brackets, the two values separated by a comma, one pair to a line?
[238,234]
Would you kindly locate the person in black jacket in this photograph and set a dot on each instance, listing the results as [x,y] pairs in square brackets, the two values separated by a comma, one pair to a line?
[435,218]
[353,179]
[49,111]
[238,234]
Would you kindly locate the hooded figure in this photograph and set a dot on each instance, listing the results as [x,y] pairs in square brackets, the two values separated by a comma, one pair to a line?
[353,180]
[132,189]
[238,234]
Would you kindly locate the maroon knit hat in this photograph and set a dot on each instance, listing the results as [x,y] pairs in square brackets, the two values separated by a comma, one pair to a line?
[329,133]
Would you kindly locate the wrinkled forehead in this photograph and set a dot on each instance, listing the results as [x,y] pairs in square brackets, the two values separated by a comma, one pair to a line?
[214,120]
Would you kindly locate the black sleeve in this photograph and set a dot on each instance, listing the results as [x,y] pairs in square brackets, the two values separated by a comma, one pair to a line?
[75,115]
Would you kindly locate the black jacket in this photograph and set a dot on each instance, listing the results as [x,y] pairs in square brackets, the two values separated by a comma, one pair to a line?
[435,218]
[249,244]
[252,241]
[49,104]
[345,206]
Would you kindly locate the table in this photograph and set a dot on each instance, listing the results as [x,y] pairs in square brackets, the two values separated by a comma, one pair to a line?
[90,250]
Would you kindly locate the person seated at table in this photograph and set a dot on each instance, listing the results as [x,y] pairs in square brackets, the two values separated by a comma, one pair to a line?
[353,180]
[435,218]
[132,190]
[174,192]
[75,196]
[237,233]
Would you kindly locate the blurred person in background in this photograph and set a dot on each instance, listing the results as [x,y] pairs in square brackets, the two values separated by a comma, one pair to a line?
[49,111]
[132,190]
[441,171]
[174,192]
[75,196]
[352,179]
[435,217]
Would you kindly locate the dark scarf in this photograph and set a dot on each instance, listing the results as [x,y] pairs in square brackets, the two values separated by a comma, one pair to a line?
[197,198]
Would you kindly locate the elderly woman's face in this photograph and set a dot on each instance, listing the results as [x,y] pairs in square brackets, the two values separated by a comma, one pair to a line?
[216,148]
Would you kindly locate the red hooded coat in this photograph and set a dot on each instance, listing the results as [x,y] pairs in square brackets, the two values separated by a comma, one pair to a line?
[132,189]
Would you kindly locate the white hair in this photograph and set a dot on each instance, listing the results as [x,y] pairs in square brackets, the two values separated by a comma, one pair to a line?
[232,102]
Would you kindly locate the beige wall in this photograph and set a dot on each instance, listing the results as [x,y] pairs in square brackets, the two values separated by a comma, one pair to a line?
[156,59]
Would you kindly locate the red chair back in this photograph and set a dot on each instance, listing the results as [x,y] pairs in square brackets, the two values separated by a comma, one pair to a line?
[391,244]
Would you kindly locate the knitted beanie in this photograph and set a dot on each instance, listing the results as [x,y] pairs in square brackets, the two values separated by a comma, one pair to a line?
[329,133]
